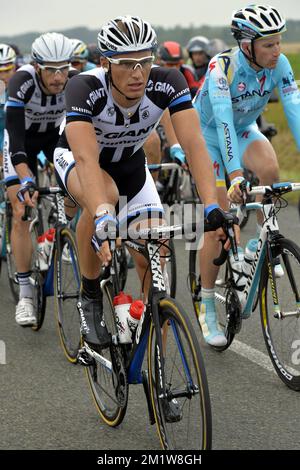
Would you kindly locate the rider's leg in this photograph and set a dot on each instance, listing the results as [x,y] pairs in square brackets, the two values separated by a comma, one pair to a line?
[90,306]
[22,252]
[213,335]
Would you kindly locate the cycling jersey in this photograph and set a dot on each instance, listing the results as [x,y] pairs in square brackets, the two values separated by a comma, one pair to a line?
[121,132]
[32,122]
[191,78]
[2,119]
[234,95]
[30,111]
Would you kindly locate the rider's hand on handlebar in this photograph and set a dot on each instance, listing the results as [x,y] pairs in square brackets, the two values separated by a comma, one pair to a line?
[238,190]
[105,224]
[219,219]
[27,193]
[178,155]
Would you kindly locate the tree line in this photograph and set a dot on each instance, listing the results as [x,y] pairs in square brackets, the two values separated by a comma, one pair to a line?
[176,33]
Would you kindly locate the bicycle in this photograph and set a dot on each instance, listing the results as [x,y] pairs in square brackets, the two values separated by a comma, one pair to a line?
[175,381]
[279,298]
[62,278]
[176,188]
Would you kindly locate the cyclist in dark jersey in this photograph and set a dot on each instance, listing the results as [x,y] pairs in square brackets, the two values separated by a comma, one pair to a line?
[111,111]
[34,112]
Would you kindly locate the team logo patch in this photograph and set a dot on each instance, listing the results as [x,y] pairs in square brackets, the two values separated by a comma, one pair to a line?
[145,114]
[242,86]
[223,85]
[111,111]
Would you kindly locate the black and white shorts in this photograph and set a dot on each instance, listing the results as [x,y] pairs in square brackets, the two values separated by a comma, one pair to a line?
[138,195]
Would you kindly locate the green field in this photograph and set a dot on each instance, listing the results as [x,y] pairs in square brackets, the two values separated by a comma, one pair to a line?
[284,144]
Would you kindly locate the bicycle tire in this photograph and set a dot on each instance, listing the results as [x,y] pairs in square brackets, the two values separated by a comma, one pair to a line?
[170,270]
[191,396]
[67,281]
[10,263]
[39,299]
[105,391]
[221,297]
[282,334]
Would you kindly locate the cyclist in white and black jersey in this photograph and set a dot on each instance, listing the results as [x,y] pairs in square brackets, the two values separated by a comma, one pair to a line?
[34,111]
[111,111]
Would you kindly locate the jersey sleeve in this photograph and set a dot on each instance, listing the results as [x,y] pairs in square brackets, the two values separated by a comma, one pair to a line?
[220,99]
[20,89]
[179,92]
[81,93]
[168,88]
[290,96]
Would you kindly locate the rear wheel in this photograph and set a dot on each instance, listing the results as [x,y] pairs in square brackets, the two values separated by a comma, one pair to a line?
[67,285]
[281,325]
[183,417]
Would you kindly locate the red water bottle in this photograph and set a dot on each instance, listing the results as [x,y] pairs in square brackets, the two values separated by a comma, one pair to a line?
[135,312]
[49,242]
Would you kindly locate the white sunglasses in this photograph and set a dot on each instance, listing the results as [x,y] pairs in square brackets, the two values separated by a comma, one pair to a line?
[132,64]
[52,69]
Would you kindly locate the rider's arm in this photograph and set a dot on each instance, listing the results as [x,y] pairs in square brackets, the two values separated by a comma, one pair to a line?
[187,129]
[20,89]
[168,128]
[81,137]
[290,96]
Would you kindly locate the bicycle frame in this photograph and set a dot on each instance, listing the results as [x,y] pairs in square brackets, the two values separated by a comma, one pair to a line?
[134,357]
[269,232]
[48,288]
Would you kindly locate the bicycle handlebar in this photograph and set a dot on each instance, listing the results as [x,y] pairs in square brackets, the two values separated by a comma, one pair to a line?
[43,191]
[275,189]
[164,166]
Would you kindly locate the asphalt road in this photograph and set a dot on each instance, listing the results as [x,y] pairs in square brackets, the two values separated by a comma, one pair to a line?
[45,402]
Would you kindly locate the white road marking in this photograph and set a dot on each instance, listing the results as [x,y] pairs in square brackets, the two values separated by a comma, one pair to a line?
[259,358]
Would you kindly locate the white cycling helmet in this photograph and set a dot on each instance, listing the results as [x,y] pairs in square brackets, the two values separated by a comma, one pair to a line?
[256,21]
[216,46]
[7,55]
[52,47]
[80,50]
[126,34]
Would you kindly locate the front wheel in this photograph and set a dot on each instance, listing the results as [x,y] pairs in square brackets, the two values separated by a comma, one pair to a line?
[280,314]
[183,416]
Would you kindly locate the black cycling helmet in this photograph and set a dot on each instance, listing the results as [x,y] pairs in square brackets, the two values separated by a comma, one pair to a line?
[93,53]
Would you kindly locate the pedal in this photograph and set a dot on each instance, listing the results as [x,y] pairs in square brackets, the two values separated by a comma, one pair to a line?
[84,359]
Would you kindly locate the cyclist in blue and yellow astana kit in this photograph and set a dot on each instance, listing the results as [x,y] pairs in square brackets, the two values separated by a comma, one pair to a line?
[237,87]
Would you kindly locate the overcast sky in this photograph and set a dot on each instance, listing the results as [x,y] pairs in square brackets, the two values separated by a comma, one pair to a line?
[19,16]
